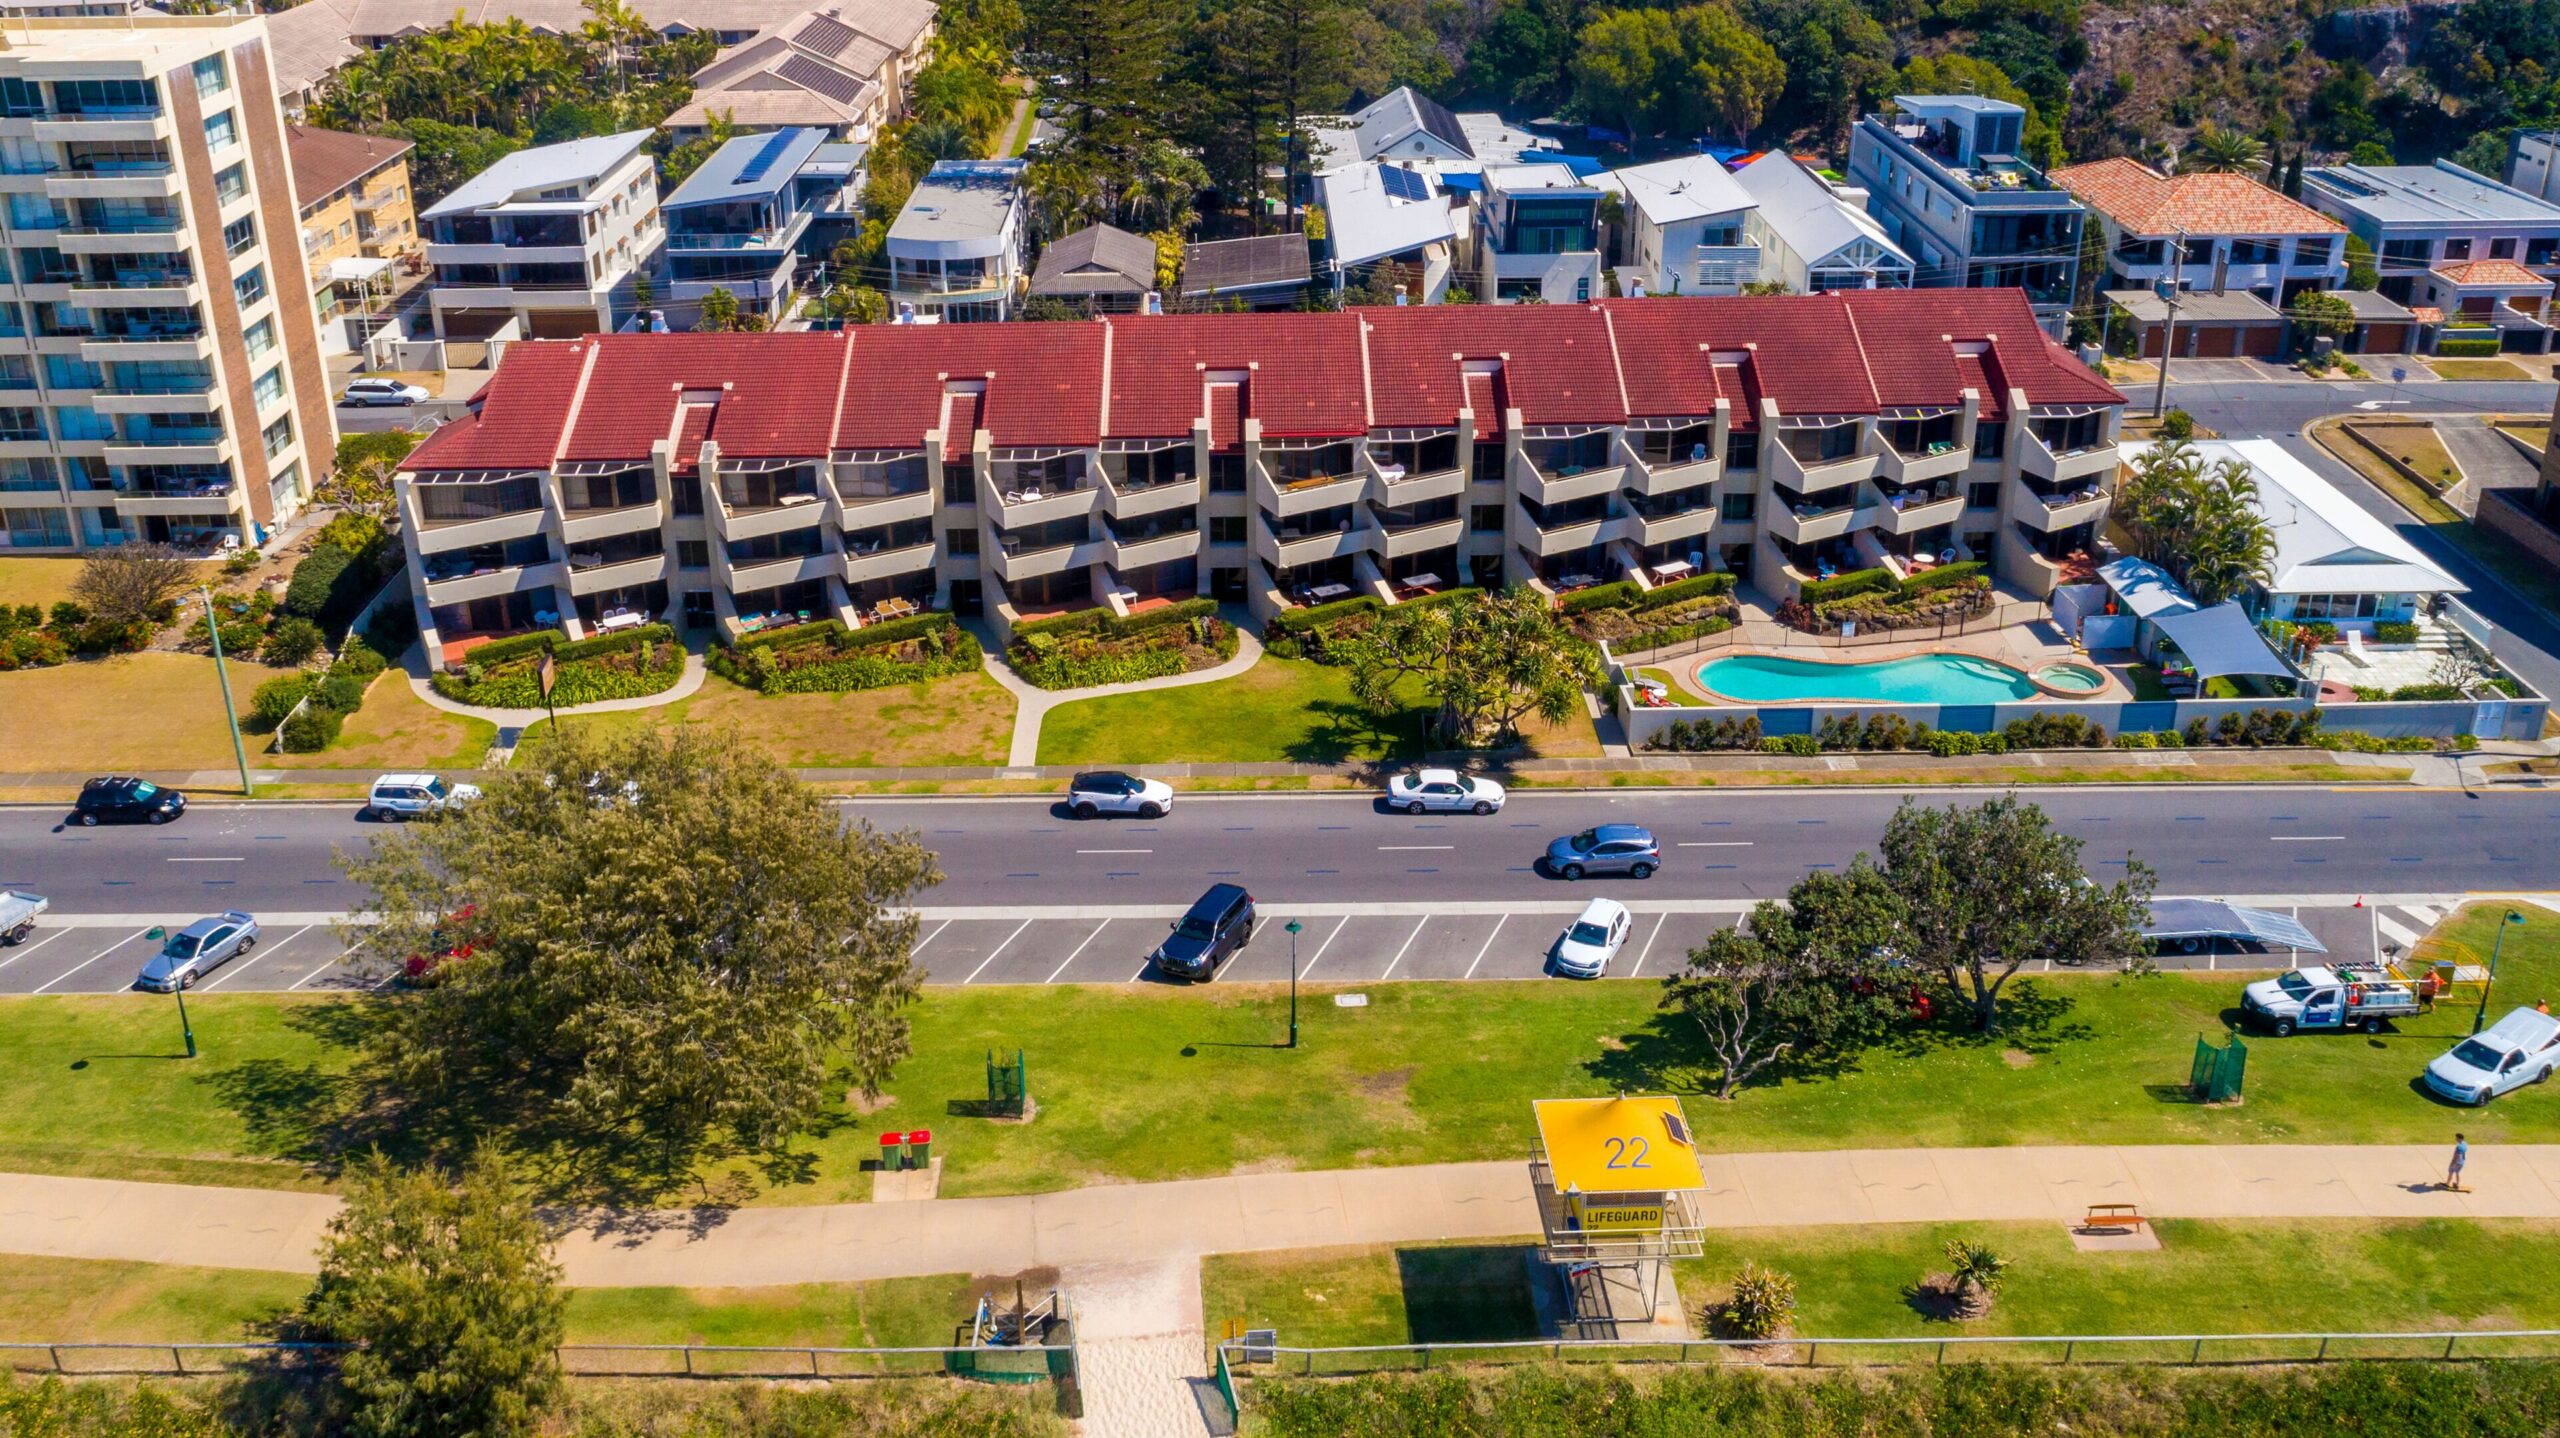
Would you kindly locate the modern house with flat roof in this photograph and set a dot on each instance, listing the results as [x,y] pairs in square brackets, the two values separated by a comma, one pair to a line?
[955,251]
[743,220]
[1394,215]
[1013,470]
[1685,228]
[1255,272]
[161,376]
[1813,238]
[548,239]
[842,68]
[1538,235]
[2221,235]
[2418,218]
[1943,175]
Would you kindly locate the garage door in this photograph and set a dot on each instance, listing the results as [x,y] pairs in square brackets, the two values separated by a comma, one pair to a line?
[2260,341]
[2216,342]
[2383,339]
[2151,342]
[469,325]
[560,324]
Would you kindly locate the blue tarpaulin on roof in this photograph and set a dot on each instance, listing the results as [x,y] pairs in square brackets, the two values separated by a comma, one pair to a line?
[1461,182]
[1583,166]
[1723,154]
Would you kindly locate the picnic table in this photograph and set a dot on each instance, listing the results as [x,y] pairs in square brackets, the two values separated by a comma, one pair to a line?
[1676,569]
[620,619]
[1420,581]
[1329,591]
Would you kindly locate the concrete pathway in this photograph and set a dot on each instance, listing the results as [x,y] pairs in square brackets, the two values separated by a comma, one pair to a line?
[1122,1224]
[1033,703]
[696,669]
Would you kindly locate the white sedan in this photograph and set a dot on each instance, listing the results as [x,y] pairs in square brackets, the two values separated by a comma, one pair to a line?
[2522,1048]
[367,392]
[1445,790]
[1593,939]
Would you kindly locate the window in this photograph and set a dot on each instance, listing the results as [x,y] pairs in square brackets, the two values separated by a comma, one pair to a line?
[220,131]
[960,541]
[693,554]
[2335,606]
[2542,253]
[70,372]
[2457,249]
[211,77]
[1738,507]
[260,338]
[251,287]
[21,424]
[1982,494]
[688,493]
[1484,518]
[231,182]
[269,387]
[2255,252]
[78,424]
[240,234]
[279,435]
[2199,252]
[2502,249]
[1742,449]
[1227,529]
[1226,474]
[287,483]
[2314,252]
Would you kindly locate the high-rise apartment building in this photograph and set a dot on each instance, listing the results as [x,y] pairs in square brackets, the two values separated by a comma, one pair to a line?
[160,372]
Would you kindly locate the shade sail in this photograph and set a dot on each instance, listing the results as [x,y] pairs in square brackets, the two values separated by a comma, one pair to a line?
[2220,641]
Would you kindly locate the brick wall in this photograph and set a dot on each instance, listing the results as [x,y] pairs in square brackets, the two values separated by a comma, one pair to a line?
[262,124]
[222,303]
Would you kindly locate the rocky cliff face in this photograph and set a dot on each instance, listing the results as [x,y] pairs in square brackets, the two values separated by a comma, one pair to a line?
[2379,36]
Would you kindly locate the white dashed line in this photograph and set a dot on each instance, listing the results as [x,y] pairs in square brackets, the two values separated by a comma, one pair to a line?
[991,954]
[1413,848]
[1715,843]
[1115,851]
[207,859]
[2306,838]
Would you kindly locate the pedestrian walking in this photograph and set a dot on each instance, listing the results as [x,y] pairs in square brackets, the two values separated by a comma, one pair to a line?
[2453,1171]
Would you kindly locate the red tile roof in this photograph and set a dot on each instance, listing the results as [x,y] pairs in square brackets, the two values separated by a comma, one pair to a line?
[2142,201]
[691,431]
[1306,375]
[2503,274]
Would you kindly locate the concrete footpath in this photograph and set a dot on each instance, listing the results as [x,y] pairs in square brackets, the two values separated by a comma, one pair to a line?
[1158,1222]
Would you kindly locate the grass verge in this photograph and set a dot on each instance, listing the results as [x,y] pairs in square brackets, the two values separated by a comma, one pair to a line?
[2519,570]
[2479,370]
[152,710]
[2415,445]
[1425,1073]
[966,719]
[395,730]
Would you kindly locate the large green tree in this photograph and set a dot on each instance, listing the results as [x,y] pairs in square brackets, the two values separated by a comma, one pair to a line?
[674,952]
[1728,75]
[1986,890]
[1624,65]
[1484,662]
[1801,981]
[1837,58]
[1105,65]
[450,1293]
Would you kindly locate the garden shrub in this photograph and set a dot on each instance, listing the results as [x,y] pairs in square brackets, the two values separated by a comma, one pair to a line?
[2177,424]
[648,665]
[2395,631]
[1803,745]
[602,644]
[1671,634]
[292,641]
[2055,731]
[1600,596]
[1942,576]
[1320,616]
[1682,736]
[1062,671]
[1843,586]
[310,730]
[313,589]
[514,646]
[66,615]
[342,692]
[359,658]
[276,698]
[1696,586]
[36,649]
[834,659]
[2467,349]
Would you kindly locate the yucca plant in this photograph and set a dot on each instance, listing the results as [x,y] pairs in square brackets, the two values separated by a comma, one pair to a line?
[1762,1305]
[1975,1272]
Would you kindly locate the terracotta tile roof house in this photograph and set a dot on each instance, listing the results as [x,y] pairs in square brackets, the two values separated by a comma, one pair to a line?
[2142,201]
[2492,273]
[1028,468]
[2227,234]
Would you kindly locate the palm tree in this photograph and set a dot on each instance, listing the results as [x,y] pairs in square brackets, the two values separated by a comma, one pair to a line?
[2226,152]
[2229,544]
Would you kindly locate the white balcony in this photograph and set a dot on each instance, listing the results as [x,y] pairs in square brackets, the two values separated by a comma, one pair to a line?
[1027,510]
[2040,459]
[1397,491]
[2072,507]
[104,127]
[1918,512]
[1287,501]
[1051,559]
[107,401]
[161,241]
[861,511]
[1561,486]
[518,579]
[506,254]
[1351,538]
[168,294]
[213,451]
[801,512]
[579,525]
[231,501]
[139,349]
[1721,269]
[1127,502]
[140,183]
[1569,538]
[599,578]
[1650,477]
[1811,528]
[1813,476]
[758,574]
[437,538]
[1650,530]
[1139,553]
[1902,468]
[1421,538]
[885,563]
[520,297]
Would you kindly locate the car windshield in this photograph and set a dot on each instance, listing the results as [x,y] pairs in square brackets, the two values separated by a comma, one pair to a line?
[142,792]
[182,946]
[1585,932]
[1193,928]
[2477,1054]
[2294,984]
[437,788]
[1466,785]
[1586,840]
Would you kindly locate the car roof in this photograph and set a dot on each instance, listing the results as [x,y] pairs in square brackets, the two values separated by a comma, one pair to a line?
[1435,776]
[1600,911]
[208,924]
[1216,900]
[1605,832]
[1094,775]
[419,779]
[2521,1029]
[110,781]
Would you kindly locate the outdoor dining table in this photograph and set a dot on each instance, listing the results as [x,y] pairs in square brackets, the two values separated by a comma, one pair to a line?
[1330,591]
[1420,581]
[1674,570]
[620,619]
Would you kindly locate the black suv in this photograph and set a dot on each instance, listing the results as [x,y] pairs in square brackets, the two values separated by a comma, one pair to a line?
[124,800]
[1220,923]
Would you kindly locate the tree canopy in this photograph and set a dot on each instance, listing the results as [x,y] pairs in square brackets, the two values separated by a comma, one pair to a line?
[1800,981]
[1483,661]
[652,953]
[2198,521]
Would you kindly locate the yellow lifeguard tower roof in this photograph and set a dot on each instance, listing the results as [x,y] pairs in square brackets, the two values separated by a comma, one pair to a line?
[1618,1145]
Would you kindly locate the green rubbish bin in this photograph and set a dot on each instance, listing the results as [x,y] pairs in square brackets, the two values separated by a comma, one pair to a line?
[920,1142]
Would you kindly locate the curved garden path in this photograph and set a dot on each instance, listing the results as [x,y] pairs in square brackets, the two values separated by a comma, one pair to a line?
[414,663]
[1034,703]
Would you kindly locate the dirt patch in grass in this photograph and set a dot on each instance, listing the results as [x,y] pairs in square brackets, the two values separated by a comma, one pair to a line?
[1391,1086]
[2018,1058]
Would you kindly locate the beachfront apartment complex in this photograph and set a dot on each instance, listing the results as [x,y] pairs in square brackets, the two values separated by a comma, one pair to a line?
[1265,459]
[160,369]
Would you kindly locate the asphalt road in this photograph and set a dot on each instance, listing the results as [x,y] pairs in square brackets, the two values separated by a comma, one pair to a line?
[1021,853]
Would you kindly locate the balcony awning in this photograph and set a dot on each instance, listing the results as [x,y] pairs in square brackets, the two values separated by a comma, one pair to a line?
[2220,641]
[356,269]
[588,468]
[471,476]
[762,466]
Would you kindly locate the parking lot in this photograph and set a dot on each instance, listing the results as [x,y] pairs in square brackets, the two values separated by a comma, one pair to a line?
[1336,944]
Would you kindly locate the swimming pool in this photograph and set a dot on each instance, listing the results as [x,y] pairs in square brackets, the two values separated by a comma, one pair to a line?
[1919,679]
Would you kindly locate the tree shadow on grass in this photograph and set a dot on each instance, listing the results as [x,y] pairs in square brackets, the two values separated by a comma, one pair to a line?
[2034,1018]
[1343,731]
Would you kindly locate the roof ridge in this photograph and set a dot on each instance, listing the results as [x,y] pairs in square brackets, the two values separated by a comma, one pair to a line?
[1858,338]
[577,399]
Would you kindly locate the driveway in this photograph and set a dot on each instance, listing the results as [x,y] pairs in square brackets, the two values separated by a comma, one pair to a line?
[2488,459]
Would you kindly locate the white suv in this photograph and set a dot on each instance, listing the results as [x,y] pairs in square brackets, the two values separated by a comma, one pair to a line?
[409,796]
[1090,795]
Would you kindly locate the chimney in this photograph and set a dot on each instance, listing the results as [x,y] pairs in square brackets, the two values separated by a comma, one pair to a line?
[1154,303]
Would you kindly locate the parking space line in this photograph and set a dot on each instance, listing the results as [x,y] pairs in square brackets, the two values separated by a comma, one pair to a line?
[261,951]
[1408,943]
[1498,922]
[348,953]
[991,954]
[1715,843]
[1115,851]
[1658,921]
[1071,958]
[84,963]
[1320,948]
[31,948]
[929,938]
[2306,838]
[1412,848]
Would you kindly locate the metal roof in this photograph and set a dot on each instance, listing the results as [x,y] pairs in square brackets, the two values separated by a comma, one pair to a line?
[1255,262]
[2196,307]
[2213,919]
[1803,211]
[2441,193]
[544,167]
[2146,588]
[748,167]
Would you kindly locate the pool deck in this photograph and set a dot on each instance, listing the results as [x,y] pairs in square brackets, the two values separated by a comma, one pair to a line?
[2027,646]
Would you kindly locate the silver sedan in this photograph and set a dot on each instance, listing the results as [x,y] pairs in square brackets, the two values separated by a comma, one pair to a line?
[197,950]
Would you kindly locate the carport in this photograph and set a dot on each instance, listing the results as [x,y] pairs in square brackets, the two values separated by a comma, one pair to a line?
[2194,924]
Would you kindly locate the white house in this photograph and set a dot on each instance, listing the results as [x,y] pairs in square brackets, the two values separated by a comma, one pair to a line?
[550,238]
[955,251]
[1811,237]
[1378,214]
[1685,228]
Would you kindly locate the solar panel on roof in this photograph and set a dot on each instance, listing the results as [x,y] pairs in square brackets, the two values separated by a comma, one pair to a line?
[1403,184]
[774,145]
[826,35]
[819,77]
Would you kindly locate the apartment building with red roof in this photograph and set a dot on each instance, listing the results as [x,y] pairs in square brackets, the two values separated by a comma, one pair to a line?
[1269,460]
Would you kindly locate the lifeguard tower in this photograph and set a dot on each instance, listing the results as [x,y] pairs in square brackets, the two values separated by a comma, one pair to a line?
[1618,1183]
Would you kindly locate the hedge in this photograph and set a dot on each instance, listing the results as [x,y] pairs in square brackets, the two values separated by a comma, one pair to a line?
[1841,586]
[2395,631]
[1060,671]
[899,631]
[612,643]
[1320,616]
[2467,349]
[1102,623]
[1670,634]
[1943,575]
[1696,586]
[860,670]
[314,727]
[498,651]
[1620,595]
[277,697]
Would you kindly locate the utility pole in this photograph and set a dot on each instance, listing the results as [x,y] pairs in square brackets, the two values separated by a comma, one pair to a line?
[2480,1015]
[2167,290]
[1294,927]
[213,627]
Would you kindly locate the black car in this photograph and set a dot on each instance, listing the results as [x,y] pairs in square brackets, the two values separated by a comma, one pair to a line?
[124,801]
[1220,923]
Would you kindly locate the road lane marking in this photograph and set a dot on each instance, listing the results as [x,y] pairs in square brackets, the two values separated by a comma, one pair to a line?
[991,953]
[238,965]
[93,958]
[1413,848]
[206,859]
[1715,843]
[1658,921]
[2306,838]
[1328,943]
[2405,938]
[1115,851]
[929,938]
[1408,943]
[1071,958]
[27,949]
[1498,922]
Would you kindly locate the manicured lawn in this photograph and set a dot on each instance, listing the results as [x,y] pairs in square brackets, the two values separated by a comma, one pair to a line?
[98,1301]
[2477,369]
[1339,1297]
[37,581]
[963,720]
[1158,1084]
[2537,435]
[395,730]
[130,711]
[2416,446]
[1280,710]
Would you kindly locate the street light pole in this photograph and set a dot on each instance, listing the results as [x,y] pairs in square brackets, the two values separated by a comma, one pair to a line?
[239,751]
[2480,1015]
[2168,292]
[183,1024]
[1294,928]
